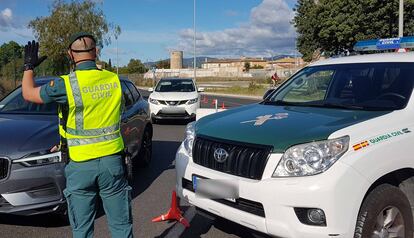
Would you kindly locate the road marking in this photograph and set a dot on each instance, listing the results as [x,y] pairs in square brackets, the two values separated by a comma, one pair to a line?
[178,229]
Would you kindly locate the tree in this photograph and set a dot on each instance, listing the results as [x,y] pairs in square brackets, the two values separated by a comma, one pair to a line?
[334,26]
[136,66]
[53,32]
[9,52]
[110,65]
[163,64]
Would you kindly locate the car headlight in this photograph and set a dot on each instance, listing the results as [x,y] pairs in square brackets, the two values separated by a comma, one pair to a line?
[311,158]
[189,138]
[153,101]
[40,158]
[192,101]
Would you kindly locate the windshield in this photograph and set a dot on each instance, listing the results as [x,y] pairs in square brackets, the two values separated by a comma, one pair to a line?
[14,103]
[368,86]
[175,85]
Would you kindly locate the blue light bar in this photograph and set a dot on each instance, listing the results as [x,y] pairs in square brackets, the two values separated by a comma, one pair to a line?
[385,44]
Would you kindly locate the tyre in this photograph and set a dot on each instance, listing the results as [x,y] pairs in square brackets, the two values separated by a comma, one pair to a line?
[61,215]
[145,152]
[386,212]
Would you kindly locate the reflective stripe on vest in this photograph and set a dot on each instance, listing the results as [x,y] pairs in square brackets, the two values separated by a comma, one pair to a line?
[87,141]
[93,132]
[77,96]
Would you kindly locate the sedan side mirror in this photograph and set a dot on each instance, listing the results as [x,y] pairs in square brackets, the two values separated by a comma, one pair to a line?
[270,91]
[200,90]
[150,90]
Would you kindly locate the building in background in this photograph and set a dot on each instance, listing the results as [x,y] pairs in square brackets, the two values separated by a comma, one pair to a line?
[236,68]
[235,64]
[176,59]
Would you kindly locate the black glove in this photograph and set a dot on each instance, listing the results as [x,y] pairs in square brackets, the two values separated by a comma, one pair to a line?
[31,58]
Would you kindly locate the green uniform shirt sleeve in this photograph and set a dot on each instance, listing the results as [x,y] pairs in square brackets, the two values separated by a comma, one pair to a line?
[54,91]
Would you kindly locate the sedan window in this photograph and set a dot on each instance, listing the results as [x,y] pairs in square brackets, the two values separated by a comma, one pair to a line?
[134,91]
[15,103]
[129,99]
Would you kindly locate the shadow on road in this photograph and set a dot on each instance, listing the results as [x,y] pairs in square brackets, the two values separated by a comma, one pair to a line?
[162,159]
[46,220]
[201,225]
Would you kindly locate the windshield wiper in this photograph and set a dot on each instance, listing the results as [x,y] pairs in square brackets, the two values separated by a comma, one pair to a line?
[282,103]
[337,105]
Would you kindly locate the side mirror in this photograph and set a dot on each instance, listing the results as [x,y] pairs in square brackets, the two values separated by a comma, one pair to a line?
[200,90]
[150,90]
[270,91]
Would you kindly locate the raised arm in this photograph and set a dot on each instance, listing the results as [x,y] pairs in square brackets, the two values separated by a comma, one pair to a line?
[30,91]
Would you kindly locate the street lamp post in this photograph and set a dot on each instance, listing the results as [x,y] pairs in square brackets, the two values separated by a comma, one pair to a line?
[195,56]
[401,19]
[117,59]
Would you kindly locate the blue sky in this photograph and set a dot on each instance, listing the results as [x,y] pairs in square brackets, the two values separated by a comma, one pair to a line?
[152,28]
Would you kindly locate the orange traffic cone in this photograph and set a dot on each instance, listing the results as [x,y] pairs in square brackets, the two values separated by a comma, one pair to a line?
[174,213]
[222,106]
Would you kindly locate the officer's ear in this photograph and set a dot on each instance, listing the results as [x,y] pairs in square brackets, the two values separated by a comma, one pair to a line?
[70,54]
[96,51]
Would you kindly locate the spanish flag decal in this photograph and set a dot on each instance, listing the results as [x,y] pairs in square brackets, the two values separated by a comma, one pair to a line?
[360,145]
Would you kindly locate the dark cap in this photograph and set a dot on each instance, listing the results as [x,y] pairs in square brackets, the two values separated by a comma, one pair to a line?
[78,35]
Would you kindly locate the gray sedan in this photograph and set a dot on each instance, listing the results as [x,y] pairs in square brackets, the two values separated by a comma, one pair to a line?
[31,177]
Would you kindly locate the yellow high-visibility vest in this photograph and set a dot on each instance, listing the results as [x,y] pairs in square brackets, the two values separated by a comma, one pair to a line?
[94,116]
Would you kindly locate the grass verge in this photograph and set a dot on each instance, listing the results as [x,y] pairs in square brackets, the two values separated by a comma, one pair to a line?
[252,90]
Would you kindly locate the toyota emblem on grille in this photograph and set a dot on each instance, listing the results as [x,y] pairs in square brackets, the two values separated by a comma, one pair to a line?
[220,155]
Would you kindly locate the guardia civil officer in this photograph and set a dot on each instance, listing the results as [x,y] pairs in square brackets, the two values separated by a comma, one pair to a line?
[90,127]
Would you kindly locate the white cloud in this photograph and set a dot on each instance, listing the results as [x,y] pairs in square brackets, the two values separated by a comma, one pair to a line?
[269,31]
[6,17]
[13,27]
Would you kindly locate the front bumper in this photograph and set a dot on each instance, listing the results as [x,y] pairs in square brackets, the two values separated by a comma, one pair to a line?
[33,190]
[338,192]
[185,111]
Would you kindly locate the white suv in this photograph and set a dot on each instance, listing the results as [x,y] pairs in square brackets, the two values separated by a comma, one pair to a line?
[330,153]
[174,98]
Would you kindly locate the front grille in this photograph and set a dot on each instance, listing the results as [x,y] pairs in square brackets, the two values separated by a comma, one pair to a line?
[172,115]
[242,204]
[172,103]
[244,160]
[4,168]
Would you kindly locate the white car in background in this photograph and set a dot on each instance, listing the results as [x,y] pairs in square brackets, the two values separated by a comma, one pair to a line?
[174,98]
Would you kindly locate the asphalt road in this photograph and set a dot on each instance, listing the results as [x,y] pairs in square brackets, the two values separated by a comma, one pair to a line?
[151,197]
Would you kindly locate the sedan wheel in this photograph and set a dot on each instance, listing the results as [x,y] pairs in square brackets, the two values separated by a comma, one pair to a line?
[145,152]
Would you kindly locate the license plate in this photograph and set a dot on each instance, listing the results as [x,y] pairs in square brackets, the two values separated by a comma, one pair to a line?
[195,183]
[216,189]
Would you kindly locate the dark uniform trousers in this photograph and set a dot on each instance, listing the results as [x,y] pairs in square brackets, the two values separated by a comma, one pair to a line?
[103,177]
